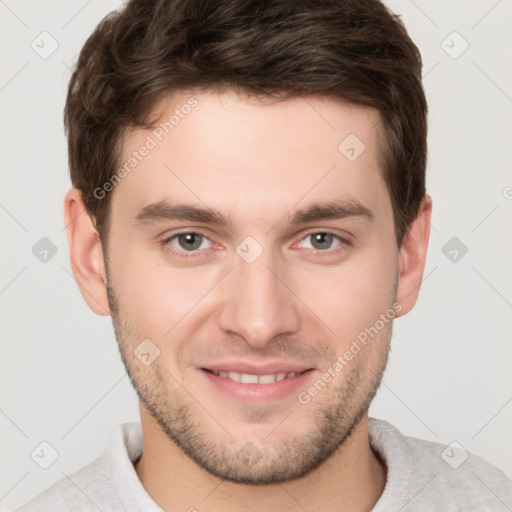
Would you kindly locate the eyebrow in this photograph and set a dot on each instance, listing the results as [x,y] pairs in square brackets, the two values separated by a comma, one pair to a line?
[325,210]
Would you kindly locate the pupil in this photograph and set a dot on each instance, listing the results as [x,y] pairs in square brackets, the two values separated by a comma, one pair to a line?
[190,241]
[322,240]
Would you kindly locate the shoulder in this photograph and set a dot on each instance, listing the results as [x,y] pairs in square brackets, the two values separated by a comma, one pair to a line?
[102,484]
[75,492]
[423,474]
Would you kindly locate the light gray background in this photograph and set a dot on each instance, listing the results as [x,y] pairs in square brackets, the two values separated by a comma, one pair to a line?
[449,376]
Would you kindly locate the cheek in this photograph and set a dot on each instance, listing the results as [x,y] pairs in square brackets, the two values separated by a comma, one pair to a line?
[153,296]
[161,298]
[161,301]
[351,297]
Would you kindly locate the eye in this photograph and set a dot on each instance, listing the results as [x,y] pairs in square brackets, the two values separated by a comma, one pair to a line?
[322,241]
[187,241]
[193,243]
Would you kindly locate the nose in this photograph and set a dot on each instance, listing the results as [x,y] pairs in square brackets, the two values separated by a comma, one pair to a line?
[258,304]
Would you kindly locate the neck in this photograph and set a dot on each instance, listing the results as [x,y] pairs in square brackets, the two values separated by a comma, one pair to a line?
[353,478]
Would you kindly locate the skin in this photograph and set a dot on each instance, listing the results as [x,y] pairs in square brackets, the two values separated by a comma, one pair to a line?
[257,163]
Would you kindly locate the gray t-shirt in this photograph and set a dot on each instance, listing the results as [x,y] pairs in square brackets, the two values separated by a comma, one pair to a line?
[421,476]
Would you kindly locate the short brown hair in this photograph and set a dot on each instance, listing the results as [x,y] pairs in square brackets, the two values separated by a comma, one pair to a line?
[354,50]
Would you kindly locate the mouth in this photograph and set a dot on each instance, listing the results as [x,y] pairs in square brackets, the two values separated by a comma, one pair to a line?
[251,378]
[256,385]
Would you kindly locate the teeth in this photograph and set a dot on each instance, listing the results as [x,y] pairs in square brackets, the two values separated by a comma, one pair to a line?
[247,378]
[234,376]
[267,379]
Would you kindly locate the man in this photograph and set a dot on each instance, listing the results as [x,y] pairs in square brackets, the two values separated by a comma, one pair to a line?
[249,206]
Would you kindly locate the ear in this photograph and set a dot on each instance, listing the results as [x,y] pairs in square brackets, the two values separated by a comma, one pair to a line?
[412,257]
[86,253]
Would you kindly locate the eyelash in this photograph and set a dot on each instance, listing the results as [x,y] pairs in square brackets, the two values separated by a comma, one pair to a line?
[197,253]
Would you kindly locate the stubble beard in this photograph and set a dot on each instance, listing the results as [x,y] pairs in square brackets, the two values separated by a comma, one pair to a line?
[284,455]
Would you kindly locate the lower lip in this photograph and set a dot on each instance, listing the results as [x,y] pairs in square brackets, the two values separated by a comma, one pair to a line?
[258,392]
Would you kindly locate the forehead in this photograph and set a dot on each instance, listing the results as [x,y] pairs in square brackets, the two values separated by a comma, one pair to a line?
[230,153]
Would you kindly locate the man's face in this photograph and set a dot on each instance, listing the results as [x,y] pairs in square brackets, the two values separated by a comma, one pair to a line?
[268,293]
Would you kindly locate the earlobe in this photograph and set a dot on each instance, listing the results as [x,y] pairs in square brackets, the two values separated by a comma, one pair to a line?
[86,253]
[412,257]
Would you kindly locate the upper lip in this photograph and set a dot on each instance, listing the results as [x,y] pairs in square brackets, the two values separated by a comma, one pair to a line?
[271,367]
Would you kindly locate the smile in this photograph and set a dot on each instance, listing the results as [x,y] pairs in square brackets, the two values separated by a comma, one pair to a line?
[256,388]
[248,378]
